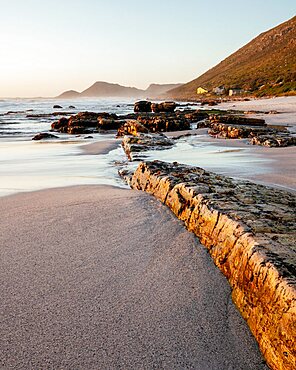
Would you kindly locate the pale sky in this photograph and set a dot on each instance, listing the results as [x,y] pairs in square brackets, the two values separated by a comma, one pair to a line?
[47,47]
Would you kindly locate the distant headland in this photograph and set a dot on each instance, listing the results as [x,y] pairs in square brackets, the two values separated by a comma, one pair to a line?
[106,89]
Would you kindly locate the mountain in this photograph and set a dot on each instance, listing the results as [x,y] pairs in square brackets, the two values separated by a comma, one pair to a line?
[265,66]
[105,89]
[70,94]
[155,90]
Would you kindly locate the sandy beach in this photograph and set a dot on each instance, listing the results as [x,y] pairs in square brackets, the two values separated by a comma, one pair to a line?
[108,278]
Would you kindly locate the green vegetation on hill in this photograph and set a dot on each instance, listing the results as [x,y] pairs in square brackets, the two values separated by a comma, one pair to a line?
[265,66]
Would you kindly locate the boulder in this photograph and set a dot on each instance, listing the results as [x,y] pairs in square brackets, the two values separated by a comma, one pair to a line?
[85,122]
[44,135]
[109,123]
[164,122]
[142,106]
[167,107]
[56,106]
[131,127]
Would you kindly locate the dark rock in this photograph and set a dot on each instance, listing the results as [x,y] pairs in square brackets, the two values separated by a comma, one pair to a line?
[44,135]
[109,123]
[56,106]
[142,106]
[71,107]
[84,122]
[236,120]
[210,103]
[166,107]
[88,137]
[60,125]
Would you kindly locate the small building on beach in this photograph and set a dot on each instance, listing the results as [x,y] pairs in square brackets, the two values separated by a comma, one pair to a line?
[201,90]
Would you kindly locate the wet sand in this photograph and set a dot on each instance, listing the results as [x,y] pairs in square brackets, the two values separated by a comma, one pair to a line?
[100,147]
[97,277]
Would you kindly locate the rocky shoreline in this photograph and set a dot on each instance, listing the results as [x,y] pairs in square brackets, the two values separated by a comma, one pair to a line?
[163,117]
[249,230]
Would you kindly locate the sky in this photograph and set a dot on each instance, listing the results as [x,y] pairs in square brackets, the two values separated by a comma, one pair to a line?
[47,47]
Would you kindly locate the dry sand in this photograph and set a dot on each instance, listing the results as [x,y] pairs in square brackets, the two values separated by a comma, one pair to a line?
[97,277]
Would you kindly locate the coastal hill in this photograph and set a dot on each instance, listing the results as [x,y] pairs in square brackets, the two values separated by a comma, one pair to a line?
[264,66]
[105,89]
[155,90]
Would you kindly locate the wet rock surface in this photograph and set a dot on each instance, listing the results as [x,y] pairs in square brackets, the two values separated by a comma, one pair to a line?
[236,127]
[44,135]
[166,107]
[85,122]
[134,145]
[142,106]
[131,127]
[165,118]
[250,232]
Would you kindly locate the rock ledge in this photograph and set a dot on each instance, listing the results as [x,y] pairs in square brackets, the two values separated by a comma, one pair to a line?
[249,230]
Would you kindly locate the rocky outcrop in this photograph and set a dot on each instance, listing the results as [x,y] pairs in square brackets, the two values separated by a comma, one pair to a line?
[142,106]
[85,122]
[134,145]
[164,122]
[131,127]
[237,127]
[278,139]
[236,120]
[109,124]
[164,107]
[226,131]
[249,230]
[44,135]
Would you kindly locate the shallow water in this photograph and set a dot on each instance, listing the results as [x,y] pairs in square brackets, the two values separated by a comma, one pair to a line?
[27,165]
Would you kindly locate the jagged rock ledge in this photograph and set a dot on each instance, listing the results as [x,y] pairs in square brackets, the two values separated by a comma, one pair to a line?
[249,230]
[135,145]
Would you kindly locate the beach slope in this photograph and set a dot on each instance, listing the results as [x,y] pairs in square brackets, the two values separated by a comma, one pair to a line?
[97,277]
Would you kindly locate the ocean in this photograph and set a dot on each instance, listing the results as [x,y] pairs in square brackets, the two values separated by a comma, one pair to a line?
[27,165]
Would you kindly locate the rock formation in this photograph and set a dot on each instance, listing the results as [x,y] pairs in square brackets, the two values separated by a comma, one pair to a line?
[142,106]
[134,145]
[44,135]
[250,232]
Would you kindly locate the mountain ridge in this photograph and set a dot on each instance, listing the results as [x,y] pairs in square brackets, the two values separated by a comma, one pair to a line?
[106,89]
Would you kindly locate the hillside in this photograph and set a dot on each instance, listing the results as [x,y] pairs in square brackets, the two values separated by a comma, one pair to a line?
[155,90]
[70,94]
[265,66]
[106,89]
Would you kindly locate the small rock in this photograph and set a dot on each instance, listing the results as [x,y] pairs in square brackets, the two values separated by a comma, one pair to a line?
[44,135]
[56,106]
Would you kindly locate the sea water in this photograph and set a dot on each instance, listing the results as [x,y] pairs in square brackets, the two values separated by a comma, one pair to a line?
[27,165]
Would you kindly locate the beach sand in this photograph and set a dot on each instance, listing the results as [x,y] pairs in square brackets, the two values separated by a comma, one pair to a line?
[96,277]
[100,147]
